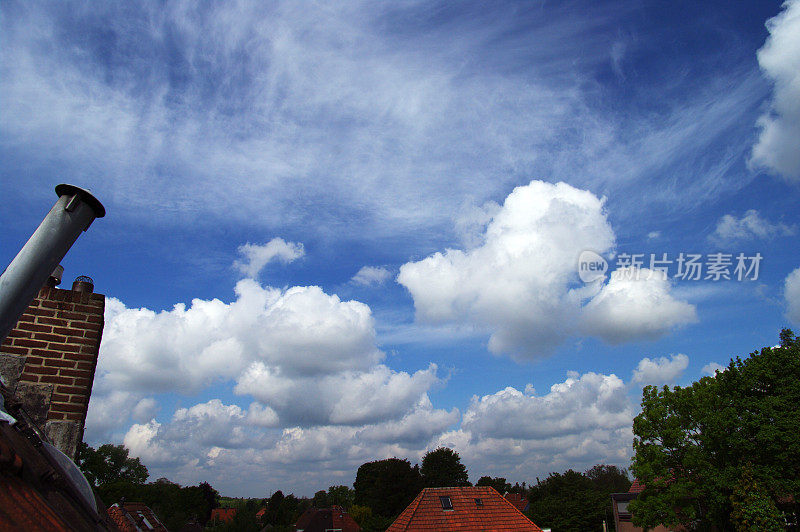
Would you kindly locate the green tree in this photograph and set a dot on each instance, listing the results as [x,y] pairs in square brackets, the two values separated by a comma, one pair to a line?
[753,509]
[320,499]
[109,463]
[341,496]
[442,468]
[387,486]
[568,501]
[690,443]
[498,483]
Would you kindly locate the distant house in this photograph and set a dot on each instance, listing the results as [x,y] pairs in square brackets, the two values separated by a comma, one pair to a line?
[519,501]
[261,513]
[622,516]
[325,520]
[479,508]
[135,517]
[222,515]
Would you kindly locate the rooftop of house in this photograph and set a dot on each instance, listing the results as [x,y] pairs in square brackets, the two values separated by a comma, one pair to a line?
[135,517]
[321,519]
[462,508]
[519,501]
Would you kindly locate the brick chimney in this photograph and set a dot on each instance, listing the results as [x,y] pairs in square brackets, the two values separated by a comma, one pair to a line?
[48,360]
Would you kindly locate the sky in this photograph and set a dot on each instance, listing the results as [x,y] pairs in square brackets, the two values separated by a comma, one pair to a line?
[341,232]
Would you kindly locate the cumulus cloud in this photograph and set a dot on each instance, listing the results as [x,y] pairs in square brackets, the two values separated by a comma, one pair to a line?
[519,283]
[255,256]
[712,368]
[306,356]
[661,370]
[791,293]
[778,146]
[635,304]
[371,275]
[584,420]
[750,226]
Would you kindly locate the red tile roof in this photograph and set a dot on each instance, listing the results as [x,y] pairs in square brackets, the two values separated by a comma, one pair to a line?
[224,515]
[425,513]
[22,508]
[636,487]
[315,519]
[519,502]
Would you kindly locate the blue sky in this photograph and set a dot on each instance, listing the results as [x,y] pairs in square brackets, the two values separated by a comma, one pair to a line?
[338,233]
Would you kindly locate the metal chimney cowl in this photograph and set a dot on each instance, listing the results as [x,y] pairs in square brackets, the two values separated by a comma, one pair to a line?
[72,214]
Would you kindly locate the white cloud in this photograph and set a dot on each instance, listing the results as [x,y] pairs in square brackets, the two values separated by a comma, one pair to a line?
[256,256]
[712,368]
[778,146]
[750,226]
[652,235]
[661,370]
[371,275]
[306,356]
[329,111]
[518,282]
[580,422]
[791,293]
[635,304]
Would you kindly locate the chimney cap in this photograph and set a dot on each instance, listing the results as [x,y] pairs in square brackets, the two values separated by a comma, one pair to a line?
[83,283]
[65,189]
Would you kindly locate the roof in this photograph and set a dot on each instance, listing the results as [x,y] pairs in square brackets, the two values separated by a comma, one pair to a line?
[636,487]
[135,517]
[495,513]
[223,514]
[316,519]
[519,502]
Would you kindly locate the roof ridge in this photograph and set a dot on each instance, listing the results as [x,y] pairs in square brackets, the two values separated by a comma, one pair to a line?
[515,508]
[418,500]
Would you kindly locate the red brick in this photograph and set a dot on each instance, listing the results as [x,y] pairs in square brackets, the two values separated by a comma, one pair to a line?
[16,333]
[81,340]
[83,381]
[42,312]
[95,335]
[34,327]
[71,390]
[88,366]
[52,321]
[29,378]
[85,308]
[75,416]
[15,350]
[66,348]
[89,349]
[59,398]
[87,325]
[40,370]
[24,342]
[27,317]
[75,373]
[56,416]
[59,363]
[34,361]
[83,356]
[56,379]
[50,337]
[46,353]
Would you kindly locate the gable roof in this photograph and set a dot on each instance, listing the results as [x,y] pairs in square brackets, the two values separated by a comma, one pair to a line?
[636,487]
[135,517]
[426,512]
[519,502]
[225,515]
[316,519]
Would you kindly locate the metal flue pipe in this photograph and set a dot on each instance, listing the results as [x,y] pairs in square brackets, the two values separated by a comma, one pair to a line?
[72,214]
